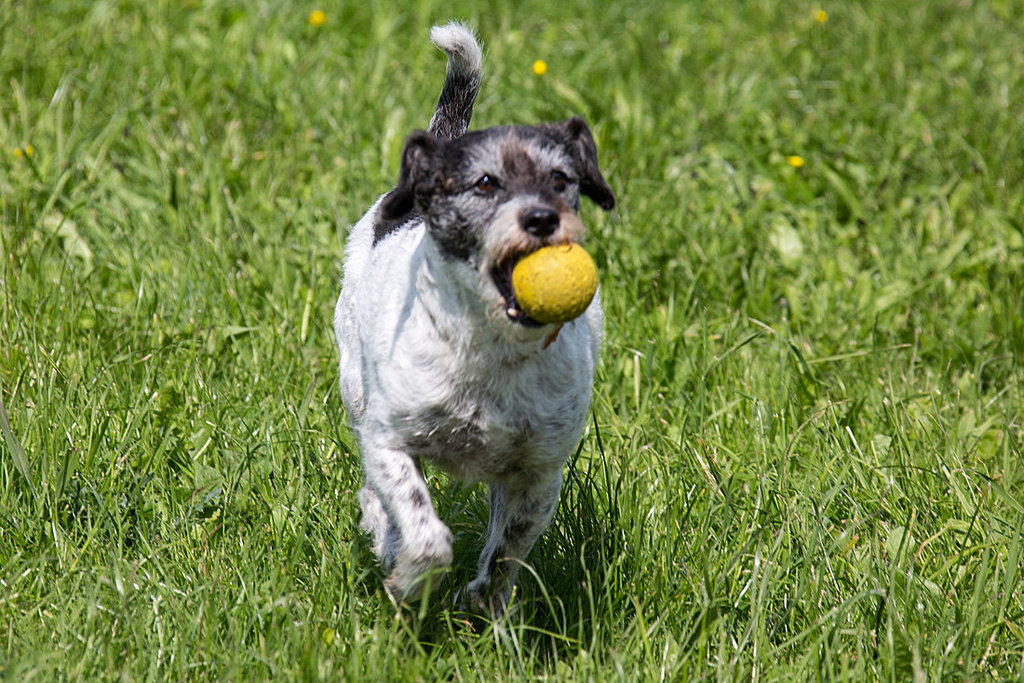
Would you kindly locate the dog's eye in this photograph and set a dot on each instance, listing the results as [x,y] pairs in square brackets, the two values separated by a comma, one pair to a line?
[486,184]
[560,180]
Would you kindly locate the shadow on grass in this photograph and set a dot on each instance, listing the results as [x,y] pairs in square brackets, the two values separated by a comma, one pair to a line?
[562,591]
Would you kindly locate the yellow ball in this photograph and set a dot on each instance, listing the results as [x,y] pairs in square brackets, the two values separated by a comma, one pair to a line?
[555,284]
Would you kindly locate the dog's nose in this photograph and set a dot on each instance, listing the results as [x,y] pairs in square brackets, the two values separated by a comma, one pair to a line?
[539,221]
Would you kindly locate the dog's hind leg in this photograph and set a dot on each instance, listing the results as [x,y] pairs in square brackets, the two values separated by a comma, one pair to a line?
[519,515]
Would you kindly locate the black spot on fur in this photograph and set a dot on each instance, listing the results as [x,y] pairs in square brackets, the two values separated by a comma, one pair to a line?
[415,178]
[435,431]
[455,106]
[517,528]
[385,226]
[517,162]
[418,499]
[455,239]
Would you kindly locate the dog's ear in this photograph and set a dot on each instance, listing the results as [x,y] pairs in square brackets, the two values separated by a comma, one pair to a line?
[575,136]
[417,165]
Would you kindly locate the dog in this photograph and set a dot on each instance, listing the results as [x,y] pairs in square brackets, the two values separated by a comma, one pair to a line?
[438,363]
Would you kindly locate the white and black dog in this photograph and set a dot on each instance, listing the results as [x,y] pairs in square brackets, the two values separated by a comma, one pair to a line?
[438,362]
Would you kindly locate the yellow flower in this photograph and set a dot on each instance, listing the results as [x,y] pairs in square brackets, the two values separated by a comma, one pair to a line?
[821,16]
[29,151]
[540,67]
[795,161]
[25,151]
[317,18]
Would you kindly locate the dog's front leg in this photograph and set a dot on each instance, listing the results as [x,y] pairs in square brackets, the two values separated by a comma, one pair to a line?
[519,515]
[412,542]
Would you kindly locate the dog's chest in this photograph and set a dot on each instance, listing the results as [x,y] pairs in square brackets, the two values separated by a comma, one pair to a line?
[494,434]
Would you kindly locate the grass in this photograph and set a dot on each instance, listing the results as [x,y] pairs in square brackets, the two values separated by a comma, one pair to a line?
[805,455]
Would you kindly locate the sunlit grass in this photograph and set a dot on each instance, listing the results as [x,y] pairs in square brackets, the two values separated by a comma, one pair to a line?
[804,459]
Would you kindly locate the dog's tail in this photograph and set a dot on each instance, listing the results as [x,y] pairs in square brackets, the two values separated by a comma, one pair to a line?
[462,82]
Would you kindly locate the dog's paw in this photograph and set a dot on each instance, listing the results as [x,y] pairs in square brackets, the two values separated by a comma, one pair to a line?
[420,566]
[486,598]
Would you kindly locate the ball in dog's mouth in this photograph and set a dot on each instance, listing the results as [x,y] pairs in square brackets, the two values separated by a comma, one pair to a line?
[552,285]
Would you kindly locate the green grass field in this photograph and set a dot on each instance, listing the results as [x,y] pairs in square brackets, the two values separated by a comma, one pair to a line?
[805,454]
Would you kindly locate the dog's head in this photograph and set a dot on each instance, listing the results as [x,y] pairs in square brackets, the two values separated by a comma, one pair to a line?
[491,196]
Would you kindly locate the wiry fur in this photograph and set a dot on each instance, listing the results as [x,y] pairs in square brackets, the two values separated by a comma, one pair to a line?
[462,83]
[437,364]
